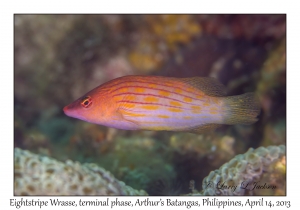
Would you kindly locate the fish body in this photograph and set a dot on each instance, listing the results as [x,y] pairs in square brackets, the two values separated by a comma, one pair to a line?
[164,103]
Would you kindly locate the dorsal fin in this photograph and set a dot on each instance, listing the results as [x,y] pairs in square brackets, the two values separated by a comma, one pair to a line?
[210,86]
[203,128]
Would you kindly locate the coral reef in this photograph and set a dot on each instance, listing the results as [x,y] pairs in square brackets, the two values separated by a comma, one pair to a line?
[253,173]
[257,172]
[41,175]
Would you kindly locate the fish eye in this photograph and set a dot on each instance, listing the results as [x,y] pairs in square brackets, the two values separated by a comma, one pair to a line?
[86,101]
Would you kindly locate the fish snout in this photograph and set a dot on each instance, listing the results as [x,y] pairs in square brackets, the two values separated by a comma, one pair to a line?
[71,110]
[66,110]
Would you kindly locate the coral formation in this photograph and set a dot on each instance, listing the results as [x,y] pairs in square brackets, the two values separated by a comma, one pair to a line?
[247,171]
[41,175]
[257,172]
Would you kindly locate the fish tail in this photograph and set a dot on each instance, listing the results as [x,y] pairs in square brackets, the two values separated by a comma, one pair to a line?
[241,109]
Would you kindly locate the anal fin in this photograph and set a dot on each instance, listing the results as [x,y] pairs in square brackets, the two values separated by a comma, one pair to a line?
[203,128]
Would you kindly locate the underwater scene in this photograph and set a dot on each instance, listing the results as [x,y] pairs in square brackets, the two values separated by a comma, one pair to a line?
[150,105]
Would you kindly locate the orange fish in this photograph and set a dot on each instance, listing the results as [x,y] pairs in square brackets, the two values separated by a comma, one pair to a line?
[164,103]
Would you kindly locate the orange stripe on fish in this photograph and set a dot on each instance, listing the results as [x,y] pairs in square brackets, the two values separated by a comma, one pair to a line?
[213,110]
[206,104]
[118,97]
[152,85]
[151,99]
[132,114]
[173,104]
[163,93]
[177,90]
[187,99]
[150,107]
[199,96]
[187,117]
[149,95]
[155,85]
[175,110]
[196,109]
[123,90]
[163,116]
[140,90]
[129,105]
[130,97]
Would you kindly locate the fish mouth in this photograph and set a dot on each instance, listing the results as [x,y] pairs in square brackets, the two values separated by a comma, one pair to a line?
[66,110]
[71,111]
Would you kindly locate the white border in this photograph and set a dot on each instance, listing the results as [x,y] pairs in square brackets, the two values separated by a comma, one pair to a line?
[8,8]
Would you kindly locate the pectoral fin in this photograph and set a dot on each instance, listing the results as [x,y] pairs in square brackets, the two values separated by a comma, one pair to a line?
[121,116]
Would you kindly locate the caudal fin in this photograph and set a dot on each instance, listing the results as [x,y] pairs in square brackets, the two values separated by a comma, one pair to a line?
[241,109]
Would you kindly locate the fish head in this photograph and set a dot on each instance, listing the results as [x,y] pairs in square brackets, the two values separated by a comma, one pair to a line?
[92,107]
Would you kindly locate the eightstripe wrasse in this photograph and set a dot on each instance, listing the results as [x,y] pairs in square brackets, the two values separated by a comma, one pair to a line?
[163,103]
